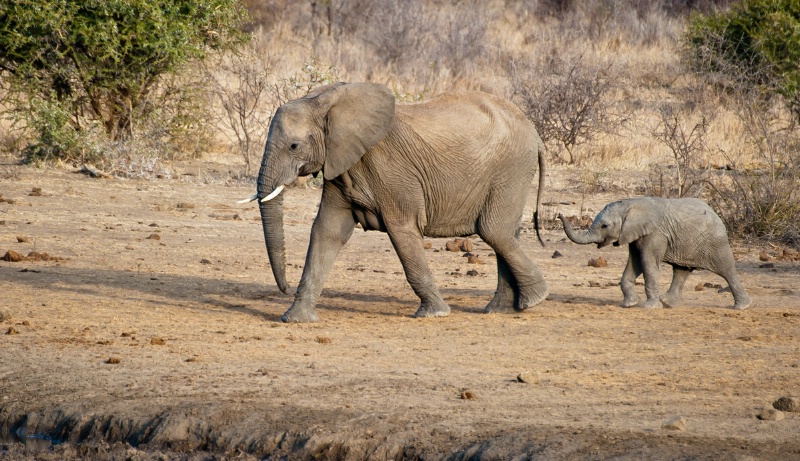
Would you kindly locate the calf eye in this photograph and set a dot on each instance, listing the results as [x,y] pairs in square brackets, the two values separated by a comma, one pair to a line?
[294,146]
[604,226]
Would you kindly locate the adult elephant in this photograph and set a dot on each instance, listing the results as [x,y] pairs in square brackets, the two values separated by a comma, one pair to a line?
[454,166]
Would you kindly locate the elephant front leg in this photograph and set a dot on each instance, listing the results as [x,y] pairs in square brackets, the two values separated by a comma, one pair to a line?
[331,230]
[633,269]
[408,245]
[650,261]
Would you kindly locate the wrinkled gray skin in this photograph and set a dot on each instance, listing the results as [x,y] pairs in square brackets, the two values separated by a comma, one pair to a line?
[685,233]
[454,166]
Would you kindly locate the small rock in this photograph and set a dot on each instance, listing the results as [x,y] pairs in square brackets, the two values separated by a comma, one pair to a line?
[699,287]
[452,246]
[764,256]
[599,262]
[154,237]
[770,414]
[712,285]
[184,206]
[156,225]
[5,313]
[12,331]
[594,284]
[557,254]
[465,245]
[472,273]
[205,261]
[528,377]
[157,341]
[790,404]
[13,256]
[129,247]
[675,423]
[113,360]
[467,395]
[427,245]
[474,259]
[323,340]
[36,192]
[23,239]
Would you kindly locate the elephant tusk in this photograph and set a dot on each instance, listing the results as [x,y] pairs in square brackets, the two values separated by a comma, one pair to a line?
[250,199]
[273,194]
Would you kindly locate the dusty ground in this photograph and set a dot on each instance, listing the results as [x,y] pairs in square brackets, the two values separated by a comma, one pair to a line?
[160,330]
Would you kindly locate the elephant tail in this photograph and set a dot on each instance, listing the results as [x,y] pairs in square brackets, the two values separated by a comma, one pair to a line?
[540,191]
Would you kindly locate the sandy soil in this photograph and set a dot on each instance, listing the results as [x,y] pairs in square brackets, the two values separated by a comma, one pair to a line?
[157,336]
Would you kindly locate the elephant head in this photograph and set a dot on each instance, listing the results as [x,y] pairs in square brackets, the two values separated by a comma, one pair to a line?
[327,130]
[619,223]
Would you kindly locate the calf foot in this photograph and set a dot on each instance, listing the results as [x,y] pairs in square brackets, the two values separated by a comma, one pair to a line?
[300,315]
[434,308]
[670,301]
[651,303]
[742,303]
[630,301]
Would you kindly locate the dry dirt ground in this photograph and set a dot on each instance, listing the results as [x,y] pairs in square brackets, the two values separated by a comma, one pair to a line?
[155,334]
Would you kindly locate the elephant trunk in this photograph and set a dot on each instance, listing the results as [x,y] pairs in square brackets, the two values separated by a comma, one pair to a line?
[272,223]
[581,238]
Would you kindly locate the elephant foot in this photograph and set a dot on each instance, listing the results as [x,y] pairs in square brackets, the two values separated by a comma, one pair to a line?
[437,308]
[630,302]
[670,301]
[652,303]
[533,296]
[501,303]
[300,315]
[742,303]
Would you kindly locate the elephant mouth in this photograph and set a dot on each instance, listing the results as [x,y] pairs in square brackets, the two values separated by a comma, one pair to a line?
[607,242]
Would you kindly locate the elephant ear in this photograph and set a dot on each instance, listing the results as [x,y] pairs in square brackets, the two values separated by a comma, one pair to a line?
[322,89]
[636,223]
[359,116]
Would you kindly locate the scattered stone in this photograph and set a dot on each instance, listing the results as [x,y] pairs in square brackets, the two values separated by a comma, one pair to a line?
[474,259]
[12,331]
[184,206]
[528,377]
[599,262]
[465,244]
[156,341]
[113,360]
[154,237]
[5,313]
[323,340]
[205,261]
[467,395]
[129,247]
[452,246]
[594,284]
[557,254]
[23,239]
[789,404]
[427,245]
[764,256]
[699,287]
[712,285]
[192,359]
[675,423]
[472,273]
[789,254]
[770,414]
[36,192]
[13,256]
[156,225]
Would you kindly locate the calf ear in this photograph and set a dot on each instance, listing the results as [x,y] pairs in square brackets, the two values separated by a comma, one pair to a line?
[359,115]
[636,223]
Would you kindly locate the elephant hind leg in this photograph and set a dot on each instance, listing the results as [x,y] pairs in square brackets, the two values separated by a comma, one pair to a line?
[672,298]
[530,288]
[741,300]
[505,297]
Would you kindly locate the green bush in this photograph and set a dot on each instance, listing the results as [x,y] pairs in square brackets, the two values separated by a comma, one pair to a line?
[101,64]
[756,43]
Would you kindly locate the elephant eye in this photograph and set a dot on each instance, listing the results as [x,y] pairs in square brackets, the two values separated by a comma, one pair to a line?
[604,226]
[294,146]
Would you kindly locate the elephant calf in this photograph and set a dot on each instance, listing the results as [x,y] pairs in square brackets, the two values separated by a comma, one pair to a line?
[685,233]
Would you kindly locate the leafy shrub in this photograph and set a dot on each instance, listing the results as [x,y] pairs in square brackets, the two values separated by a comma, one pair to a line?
[104,64]
[756,43]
